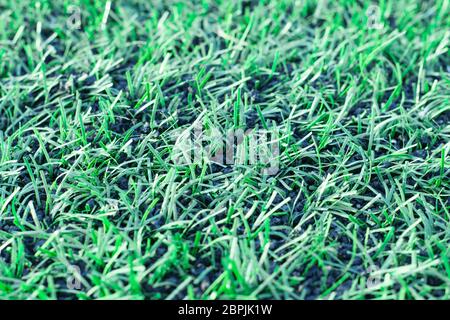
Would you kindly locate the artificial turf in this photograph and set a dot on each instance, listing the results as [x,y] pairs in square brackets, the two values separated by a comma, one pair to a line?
[95,204]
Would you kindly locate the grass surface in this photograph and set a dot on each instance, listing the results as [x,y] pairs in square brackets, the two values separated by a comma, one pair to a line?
[92,204]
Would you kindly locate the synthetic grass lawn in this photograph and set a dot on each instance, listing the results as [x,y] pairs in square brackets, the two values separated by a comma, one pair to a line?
[93,205]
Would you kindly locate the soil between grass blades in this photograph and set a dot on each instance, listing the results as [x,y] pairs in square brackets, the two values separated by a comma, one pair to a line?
[92,204]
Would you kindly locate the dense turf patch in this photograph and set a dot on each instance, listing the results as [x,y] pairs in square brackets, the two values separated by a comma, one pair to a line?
[115,178]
